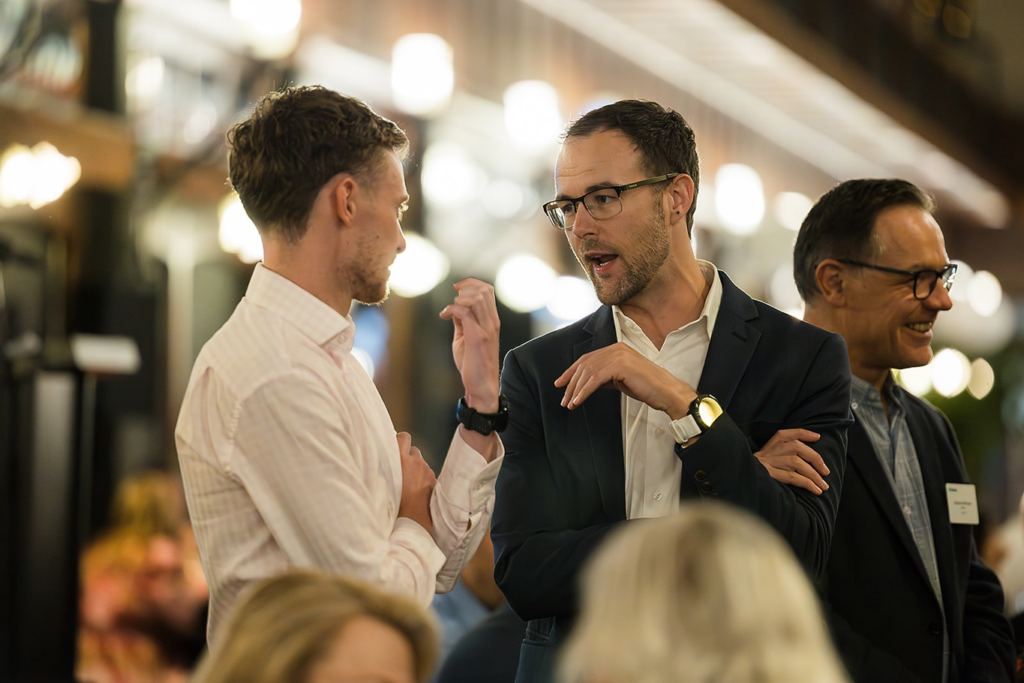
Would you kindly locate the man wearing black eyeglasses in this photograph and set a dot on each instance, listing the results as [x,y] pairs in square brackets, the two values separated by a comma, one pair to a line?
[672,390]
[907,597]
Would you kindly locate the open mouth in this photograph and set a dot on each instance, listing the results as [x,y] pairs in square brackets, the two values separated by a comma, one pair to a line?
[602,262]
[921,327]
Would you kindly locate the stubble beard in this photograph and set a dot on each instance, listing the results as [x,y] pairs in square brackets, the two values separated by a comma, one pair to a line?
[365,283]
[650,252]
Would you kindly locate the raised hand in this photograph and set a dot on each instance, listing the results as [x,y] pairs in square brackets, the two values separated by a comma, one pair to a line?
[475,345]
[623,368]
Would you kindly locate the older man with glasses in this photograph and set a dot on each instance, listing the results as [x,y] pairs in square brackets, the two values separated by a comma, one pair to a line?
[674,389]
[907,597]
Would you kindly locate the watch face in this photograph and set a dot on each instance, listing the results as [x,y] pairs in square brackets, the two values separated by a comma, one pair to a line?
[708,411]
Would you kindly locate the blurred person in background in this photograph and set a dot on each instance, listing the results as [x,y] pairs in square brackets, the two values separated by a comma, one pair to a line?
[143,597]
[667,392]
[906,595]
[711,594]
[309,627]
[288,454]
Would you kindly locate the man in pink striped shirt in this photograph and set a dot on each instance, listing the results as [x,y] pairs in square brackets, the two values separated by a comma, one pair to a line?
[288,454]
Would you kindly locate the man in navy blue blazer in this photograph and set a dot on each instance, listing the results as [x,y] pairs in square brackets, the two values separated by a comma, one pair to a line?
[907,598]
[679,387]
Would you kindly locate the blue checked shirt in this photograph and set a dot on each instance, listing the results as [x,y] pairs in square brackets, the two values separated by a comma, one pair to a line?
[890,435]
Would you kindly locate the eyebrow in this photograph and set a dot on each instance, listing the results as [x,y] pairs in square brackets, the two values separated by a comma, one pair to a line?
[598,186]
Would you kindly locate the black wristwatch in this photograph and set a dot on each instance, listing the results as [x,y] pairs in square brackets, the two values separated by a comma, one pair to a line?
[484,423]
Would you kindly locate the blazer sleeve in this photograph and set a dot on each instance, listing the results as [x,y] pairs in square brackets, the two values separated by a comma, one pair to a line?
[989,649]
[538,547]
[990,653]
[721,464]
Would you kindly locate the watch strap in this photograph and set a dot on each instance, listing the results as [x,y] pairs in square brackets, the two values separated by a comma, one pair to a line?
[483,423]
[685,428]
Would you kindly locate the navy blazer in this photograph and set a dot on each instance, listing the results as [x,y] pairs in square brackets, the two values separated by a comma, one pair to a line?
[561,488]
[883,613]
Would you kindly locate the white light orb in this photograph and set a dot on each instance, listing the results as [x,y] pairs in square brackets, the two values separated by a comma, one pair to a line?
[271,27]
[422,74]
[200,123]
[983,378]
[964,275]
[782,291]
[533,117]
[503,199]
[917,381]
[237,234]
[54,174]
[951,372]
[791,208]
[419,268]
[739,198]
[984,293]
[17,175]
[450,177]
[145,80]
[524,283]
[705,216]
[572,298]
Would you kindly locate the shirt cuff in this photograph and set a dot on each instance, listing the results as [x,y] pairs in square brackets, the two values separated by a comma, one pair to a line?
[466,476]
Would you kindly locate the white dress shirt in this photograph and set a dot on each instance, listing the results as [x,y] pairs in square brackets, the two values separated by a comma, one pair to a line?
[653,470]
[290,459]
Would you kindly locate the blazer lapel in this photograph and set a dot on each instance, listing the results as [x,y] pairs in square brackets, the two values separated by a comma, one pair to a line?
[603,413]
[861,454]
[733,342]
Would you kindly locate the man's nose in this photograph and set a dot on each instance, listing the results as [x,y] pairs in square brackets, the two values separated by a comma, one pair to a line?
[584,223]
[939,299]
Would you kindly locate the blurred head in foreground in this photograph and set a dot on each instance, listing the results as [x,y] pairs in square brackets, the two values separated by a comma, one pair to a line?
[710,594]
[309,627]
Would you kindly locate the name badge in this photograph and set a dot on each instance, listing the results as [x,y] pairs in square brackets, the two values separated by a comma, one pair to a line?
[963,503]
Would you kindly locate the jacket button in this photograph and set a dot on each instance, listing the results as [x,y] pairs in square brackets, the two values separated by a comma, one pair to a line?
[706,487]
[935,628]
[701,475]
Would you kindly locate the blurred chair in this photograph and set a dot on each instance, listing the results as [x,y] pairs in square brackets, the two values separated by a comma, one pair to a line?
[710,594]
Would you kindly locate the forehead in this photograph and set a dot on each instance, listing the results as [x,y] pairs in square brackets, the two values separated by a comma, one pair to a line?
[909,237]
[607,157]
[391,173]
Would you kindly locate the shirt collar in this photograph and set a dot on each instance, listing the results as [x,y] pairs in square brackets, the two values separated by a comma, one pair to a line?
[862,391]
[711,304]
[299,308]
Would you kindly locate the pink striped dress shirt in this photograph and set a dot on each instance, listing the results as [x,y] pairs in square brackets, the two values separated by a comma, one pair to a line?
[289,459]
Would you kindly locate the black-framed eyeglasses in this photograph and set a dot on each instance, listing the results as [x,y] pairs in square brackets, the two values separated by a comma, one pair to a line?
[924,280]
[602,203]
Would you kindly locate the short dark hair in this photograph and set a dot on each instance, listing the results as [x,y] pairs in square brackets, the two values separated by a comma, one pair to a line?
[841,225]
[296,140]
[662,136]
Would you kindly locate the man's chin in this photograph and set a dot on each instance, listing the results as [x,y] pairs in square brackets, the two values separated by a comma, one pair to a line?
[373,297]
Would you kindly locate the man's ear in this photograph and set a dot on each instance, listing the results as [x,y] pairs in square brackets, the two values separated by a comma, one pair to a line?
[680,194]
[831,278]
[343,196]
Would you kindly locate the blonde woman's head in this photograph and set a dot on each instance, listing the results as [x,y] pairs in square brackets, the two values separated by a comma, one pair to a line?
[712,594]
[308,627]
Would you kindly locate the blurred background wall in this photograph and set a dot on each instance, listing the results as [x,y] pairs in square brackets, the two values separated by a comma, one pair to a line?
[122,249]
